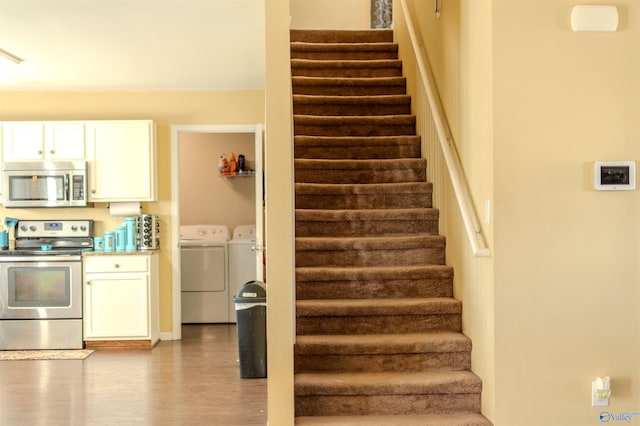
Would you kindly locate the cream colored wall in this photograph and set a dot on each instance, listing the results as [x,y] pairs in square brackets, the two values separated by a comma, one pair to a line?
[205,197]
[540,104]
[456,44]
[279,215]
[330,14]
[566,256]
[166,109]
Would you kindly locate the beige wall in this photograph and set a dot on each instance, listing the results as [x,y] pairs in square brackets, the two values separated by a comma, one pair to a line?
[542,103]
[205,196]
[532,105]
[566,256]
[279,215]
[326,14]
[166,109]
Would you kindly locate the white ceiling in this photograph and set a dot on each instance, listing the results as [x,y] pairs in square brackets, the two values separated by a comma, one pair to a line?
[133,44]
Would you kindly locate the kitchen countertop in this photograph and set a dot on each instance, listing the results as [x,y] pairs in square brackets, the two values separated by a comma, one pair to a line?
[118,253]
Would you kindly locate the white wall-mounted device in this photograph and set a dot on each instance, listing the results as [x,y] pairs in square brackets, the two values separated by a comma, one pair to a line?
[594,18]
[614,175]
[600,392]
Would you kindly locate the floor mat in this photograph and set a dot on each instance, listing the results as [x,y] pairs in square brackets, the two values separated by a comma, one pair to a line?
[45,354]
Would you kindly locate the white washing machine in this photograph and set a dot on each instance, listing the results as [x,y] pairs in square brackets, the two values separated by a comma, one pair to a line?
[204,278]
[242,262]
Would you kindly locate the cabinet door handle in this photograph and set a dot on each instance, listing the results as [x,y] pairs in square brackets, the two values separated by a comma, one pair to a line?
[53,151]
[39,152]
[88,282]
[116,266]
[93,191]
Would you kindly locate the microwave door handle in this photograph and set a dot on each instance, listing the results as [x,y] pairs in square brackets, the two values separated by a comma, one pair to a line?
[66,187]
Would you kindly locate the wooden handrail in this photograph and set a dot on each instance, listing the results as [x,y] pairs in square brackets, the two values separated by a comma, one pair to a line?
[450,154]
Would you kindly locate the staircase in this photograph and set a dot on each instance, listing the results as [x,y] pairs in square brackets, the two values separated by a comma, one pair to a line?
[379,337]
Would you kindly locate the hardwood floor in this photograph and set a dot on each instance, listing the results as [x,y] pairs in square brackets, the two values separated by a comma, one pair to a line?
[193,381]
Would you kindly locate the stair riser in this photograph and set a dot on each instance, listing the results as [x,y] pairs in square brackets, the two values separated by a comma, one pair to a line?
[358,153]
[331,129]
[360,176]
[344,55]
[355,36]
[368,201]
[386,404]
[345,72]
[373,289]
[366,228]
[452,361]
[381,324]
[348,90]
[421,256]
[363,109]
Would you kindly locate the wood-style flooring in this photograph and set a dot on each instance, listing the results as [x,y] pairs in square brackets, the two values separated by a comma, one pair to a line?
[193,381]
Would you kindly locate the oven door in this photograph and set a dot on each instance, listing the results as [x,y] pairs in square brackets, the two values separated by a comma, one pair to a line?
[41,289]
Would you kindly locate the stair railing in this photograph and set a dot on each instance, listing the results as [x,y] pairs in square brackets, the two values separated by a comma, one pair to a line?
[447,144]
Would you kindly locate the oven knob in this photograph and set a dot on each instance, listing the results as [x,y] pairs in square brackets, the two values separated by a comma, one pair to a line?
[83,228]
[74,228]
[23,228]
[32,228]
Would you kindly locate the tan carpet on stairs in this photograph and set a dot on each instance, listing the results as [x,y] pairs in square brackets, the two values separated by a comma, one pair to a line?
[379,337]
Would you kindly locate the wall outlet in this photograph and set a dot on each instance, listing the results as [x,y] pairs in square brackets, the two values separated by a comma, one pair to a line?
[596,401]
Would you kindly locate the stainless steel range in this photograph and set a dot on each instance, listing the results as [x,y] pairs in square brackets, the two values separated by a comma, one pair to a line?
[41,285]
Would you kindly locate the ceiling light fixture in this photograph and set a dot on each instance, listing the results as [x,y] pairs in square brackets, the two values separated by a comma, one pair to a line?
[10,57]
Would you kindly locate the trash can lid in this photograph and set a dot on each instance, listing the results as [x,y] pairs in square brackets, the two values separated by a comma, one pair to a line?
[251,292]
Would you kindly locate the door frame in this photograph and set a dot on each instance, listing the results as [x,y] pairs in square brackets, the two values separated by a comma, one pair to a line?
[176,131]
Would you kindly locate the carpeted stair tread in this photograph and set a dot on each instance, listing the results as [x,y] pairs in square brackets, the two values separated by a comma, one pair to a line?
[346,68]
[332,51]
[404,242]
[381,164]
[357,147]
[363,196]
[354,86]
[382,272]
[367,344]
[363,189]
[355,141]
[398,119]
[408,249]
[422,223]
[360,171]
[317,215]
[387,383]
[456,419]
[351,105]
[376,125]
[375,307]
[340,282]
[341,36]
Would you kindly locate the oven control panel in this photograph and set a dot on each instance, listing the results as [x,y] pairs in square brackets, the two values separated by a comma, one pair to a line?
[54,228]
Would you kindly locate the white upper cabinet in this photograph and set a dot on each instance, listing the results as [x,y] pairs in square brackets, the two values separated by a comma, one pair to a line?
[64,141]
[121,159]
[43,141]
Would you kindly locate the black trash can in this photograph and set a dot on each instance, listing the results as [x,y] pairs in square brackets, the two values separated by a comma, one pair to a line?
[251,316]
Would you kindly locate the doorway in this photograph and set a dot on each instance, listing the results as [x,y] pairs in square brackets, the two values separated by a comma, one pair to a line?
[199,133]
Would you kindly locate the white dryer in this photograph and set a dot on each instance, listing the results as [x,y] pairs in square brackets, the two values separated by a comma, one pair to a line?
[204,278]
[242,262]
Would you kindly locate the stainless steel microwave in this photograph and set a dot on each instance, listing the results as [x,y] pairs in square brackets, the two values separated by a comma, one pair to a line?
[45,184]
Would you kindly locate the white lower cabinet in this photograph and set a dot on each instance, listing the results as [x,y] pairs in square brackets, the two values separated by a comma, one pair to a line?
[121,300]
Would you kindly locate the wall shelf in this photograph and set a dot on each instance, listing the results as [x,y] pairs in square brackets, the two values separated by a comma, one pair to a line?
[246,173]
